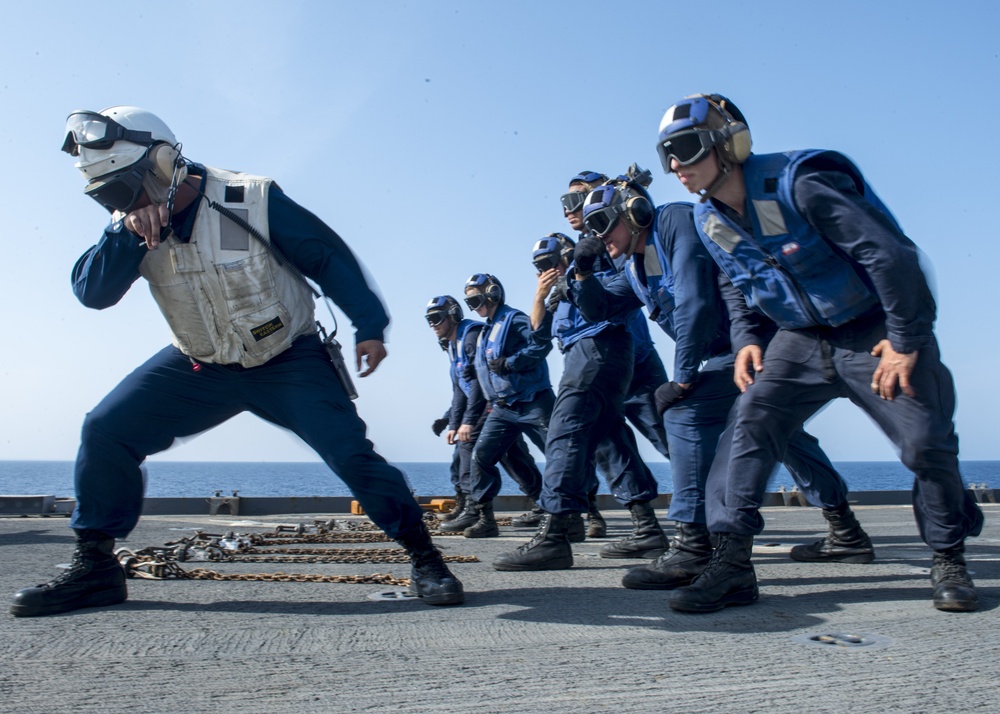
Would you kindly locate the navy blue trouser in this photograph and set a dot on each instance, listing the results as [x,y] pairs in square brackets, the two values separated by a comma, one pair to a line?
[516,461]
[696,429]
[806,369]
[455,470]
[500,431]
[164,399]
[640,406]
[587,412]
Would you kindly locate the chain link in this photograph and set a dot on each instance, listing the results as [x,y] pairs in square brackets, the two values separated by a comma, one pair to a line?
[160,563]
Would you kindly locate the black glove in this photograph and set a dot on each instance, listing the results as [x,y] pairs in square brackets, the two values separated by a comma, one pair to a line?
[667,395]
[558,294]
[499,365]
[469,372]
[439,426]
[585,255]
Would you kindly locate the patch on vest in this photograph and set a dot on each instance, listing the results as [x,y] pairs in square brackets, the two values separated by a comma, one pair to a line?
[721,234]
[267,329]
[651,262]
[233,236]
[772,223]
[234,194]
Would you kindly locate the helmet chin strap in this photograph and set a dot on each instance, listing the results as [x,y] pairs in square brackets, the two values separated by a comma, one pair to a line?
[725,171]
[633,244]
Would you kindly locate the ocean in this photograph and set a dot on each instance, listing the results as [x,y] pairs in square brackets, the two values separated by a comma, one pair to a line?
[174,479]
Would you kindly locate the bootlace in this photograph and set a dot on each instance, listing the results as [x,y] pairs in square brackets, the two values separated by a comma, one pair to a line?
[948,569]
[431,564]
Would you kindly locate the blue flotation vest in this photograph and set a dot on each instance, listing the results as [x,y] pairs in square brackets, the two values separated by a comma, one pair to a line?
[457,354]
[514,386]
[569,326]
[657,290]
[785,269]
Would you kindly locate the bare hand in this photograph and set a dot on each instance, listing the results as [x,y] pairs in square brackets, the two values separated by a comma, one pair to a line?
[465,432]
[147,223]
[450,436]
[749,357]
[370,353]
[545,282]
[893,370]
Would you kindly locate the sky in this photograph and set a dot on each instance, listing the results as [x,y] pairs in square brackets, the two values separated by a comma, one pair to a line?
[437,137]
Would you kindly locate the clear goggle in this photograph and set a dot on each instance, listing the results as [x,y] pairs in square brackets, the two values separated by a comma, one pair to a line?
[91,130]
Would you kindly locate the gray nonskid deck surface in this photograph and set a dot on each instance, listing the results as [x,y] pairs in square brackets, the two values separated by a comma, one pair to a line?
[553,642]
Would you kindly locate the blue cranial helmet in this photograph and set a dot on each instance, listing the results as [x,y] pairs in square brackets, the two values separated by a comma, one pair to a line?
[692,127]
[443,307]
[552,250]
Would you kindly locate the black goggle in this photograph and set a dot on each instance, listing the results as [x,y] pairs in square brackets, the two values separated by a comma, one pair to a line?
[435,318]
[475,301]
[91,130]
[573,201]
[545,262]
[686,147]
[603,220]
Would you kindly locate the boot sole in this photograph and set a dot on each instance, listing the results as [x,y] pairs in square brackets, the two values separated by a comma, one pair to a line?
[637,555]
[448,528]
[557,564]
[744,597]
[658,586]
[105,598]
[860,558]
[487,534]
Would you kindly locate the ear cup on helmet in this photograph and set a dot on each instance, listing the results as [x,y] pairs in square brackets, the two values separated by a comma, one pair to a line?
[164,159]
[493,293]
[736,142]
[639,211]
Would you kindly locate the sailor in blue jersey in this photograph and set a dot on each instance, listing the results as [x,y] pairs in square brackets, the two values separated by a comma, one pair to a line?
[244,340]
[669,271]
[802,239]
[649,372]
[465,418]
[514,377]
[586,425]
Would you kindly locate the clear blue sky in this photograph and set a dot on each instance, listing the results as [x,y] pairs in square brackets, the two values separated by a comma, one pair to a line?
[437,137]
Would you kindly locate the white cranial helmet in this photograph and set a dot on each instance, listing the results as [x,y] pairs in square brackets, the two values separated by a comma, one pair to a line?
[112,139]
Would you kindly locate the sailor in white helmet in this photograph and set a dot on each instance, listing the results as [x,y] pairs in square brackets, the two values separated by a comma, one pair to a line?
[224,254]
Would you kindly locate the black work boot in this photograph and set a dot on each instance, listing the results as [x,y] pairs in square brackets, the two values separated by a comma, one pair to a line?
[548,549]
[690,551]
[647,539]
[845,543]
[577,531]
[460,499]
[529,519]
[468,517]
[953,588]
[597,527]
[728,579]
[94,579]
[430,579]
[486,523]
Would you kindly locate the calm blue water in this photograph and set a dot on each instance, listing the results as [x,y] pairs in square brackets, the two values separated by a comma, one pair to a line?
[187,478]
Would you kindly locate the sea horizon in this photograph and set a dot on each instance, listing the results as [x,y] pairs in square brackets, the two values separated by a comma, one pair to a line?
[180,478]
